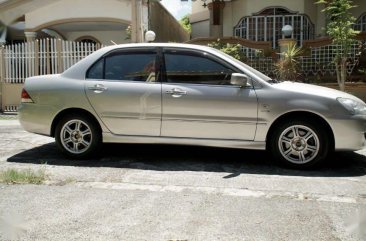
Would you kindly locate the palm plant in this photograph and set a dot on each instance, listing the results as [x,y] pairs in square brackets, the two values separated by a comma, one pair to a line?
[288,66]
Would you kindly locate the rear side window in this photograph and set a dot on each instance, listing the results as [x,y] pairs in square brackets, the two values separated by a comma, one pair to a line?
[96,71]
[126,66]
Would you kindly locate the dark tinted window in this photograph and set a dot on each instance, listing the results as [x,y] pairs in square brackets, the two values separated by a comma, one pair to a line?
[130,66]
[197,68]
[96,71]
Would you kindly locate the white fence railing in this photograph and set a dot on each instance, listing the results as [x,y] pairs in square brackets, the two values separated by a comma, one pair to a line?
[318,62]
[45,56]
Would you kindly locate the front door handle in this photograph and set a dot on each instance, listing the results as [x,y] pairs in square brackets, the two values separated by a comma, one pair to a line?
[98,88]
[176,92]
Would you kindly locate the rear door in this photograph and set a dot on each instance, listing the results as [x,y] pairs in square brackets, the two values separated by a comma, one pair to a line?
[124,89]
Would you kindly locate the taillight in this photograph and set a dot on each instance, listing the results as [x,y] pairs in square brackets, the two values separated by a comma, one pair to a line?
[26,97]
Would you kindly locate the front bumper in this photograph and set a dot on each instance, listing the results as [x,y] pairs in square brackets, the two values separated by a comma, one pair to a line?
[349,133]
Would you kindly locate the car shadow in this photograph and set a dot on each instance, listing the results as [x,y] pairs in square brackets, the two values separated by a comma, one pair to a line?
[193,158]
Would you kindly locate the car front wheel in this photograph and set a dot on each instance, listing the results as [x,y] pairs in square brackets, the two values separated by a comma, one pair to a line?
[77,136]
[299,144]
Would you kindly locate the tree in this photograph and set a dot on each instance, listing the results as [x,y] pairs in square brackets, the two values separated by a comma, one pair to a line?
[186,24]
[339,28]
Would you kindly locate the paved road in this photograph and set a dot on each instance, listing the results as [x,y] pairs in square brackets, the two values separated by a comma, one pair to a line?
[160,192]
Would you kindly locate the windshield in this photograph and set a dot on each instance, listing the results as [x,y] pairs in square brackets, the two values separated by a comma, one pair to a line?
[247,67]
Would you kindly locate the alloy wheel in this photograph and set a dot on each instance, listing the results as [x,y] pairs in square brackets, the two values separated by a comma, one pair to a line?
[298,144]
[76,136]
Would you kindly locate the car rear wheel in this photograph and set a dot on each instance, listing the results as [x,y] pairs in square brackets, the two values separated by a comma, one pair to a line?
[77,136]
[299,143]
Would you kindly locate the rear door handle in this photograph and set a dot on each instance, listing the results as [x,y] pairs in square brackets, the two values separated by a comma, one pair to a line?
[98,88]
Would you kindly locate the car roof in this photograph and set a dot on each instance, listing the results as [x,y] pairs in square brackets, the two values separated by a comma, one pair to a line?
[77,71]
[171,45]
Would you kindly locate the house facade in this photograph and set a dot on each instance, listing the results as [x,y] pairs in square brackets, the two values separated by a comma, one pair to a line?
[73,20]
[104,22]
[263,20]
[48,36]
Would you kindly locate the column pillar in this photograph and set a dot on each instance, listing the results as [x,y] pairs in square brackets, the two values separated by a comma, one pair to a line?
[3,33]
[136,22]
[216,18]
[285,44]
[2,75]
[30,36]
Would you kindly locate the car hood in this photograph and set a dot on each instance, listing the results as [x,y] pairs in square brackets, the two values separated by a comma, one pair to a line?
[314,90]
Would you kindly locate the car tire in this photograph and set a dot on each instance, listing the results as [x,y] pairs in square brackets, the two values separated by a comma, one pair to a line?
[299,144]
[78,136]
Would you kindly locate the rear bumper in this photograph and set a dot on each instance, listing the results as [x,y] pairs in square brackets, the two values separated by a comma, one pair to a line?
[36,118]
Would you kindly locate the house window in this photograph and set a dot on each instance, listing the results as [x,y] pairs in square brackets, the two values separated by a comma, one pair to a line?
[87,40]
[361,23]
[86,45]
[267,26]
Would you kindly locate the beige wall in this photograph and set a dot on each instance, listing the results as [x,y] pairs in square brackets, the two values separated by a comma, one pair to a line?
[200,22]
[229,17]
[60,11]
[320,21]
[244,8]
[11,94]
[165,26]
[201,29]
[12,10]
[360,9]
[104,37]
[197,6]
[311,10]
[237,9]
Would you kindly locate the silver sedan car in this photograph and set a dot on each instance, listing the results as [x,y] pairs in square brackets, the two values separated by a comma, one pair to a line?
[190,95]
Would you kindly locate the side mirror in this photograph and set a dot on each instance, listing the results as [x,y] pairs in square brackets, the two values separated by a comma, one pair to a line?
[239,79]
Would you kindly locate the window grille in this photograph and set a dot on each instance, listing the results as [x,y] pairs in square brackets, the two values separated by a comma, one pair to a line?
[361,23]
[267,26]
[256,59]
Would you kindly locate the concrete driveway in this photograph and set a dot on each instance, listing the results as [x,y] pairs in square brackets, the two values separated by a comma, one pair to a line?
[162,192]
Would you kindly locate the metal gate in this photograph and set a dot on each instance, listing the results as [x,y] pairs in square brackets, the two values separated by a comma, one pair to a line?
[45,56]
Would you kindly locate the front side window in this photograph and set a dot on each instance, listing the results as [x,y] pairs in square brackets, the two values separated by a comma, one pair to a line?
[195,68]
[126,66]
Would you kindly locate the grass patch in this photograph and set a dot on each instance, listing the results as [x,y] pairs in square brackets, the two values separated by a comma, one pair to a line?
[13,176]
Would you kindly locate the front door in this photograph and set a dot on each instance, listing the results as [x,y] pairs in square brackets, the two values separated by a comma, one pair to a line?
[198,100]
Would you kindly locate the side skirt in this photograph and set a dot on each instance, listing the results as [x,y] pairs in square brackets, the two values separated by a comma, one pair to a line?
[253,145]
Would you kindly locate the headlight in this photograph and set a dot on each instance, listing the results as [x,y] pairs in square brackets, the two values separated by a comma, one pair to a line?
[354,107]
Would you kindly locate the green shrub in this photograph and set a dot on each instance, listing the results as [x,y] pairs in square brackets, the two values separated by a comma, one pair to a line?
[233,50]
